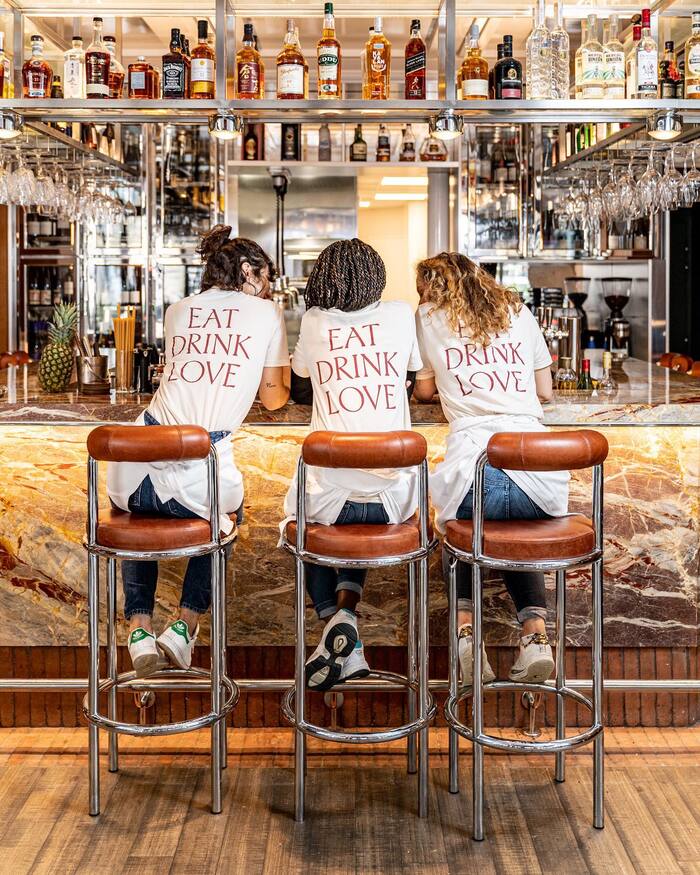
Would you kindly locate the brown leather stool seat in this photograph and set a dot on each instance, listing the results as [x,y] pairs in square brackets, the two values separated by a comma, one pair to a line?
[149,533]
[528,540]
[360,541]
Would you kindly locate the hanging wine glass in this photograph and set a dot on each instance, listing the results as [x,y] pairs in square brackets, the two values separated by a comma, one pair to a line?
[670,184]
[647,187]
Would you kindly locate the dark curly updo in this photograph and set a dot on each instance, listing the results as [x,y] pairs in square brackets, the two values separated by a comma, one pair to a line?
[348,275]
[223,259]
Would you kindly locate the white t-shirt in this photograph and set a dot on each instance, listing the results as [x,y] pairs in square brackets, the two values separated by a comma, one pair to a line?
[485,390]
[216,346]
[357,363]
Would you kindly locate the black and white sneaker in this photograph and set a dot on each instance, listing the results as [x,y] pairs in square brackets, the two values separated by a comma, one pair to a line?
[325,665]
[355,666]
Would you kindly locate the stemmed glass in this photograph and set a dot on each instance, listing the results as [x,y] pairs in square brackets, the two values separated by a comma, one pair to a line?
[21,184]
[670,184]
[647,187]
[690,187]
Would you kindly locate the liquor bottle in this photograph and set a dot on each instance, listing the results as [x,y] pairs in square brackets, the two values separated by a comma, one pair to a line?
[692,61]
[138,83]
[584,380]
[4,68]
[408,144]
[363,64]
[475,70]
[383,144]
[492,71]
[37,74]
[262,66]
[414,64]
[538,58]
[324,142]
[97,60]
[667,84]
[433,149]
[116,70]
[297,43]
[74,70]
[358,147]
[499,170]
[328,56]
[592,70]
[508,77]
[606,384]
[291,142]
[185,50]
[174,69]
[647,61]
[614,62]
[631,64]
[561,51]
[57,88]
[250,143]
[248,83]
[680,83]
[290,67]
[152,82]
[578,61]
[673,74]
[378,64]
[203,65]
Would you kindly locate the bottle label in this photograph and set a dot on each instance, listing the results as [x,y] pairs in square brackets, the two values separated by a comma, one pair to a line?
[511,86]
[38,86]
[592,74]
[72,78]
[358,152]
[647,72]
[378,58]
[203,70]
[614,67]
[137,80]
[173,79]
[668,89]
[328,70]
[290,79]
[248,77]
[415,63]
[475,88]
[692,88]
[97,73]
[692,62]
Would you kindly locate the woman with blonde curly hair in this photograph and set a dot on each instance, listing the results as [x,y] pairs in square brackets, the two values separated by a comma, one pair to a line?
[484,353]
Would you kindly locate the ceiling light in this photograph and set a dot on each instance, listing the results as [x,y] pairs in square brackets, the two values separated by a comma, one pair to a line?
[11,124]
[225,126]
[446,126]
[364,204]
[419,181]
[664,125]
[401,196]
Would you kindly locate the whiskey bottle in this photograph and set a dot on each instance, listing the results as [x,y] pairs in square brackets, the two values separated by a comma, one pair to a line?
[614,62]
[408,144]
[297,42]
[692,61]
[383,144]
[248,83]
[250,142]
[328,55]
[290,67]
[37,74]
[116,71]
[56,88]
[378,64]
[667,84]
[647,58]
[74,70]
[592,70]
[475,70]
[262,65]
[324,142]
[492,71]
[358,147]
[433,149]
[414,64]
[363,64]
[138,83]
[97,60]
[203,66]
[185,49]
[5,70]
[670,56]
[174,69]
[508,77]
[291,142]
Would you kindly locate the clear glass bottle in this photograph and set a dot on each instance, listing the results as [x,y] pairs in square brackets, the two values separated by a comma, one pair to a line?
[378,64]
[592,70]
[202,65]
[97,61]
[606,384]
[74,70]
[408,144]
[647,61]
[37,74]
[475,70]
[324,142]
[329,57]
[358,147]
[578,61]
[414,64]
[561,52]
[116,70]
[290,67]
[565,378]
[538,58]
[692,61]
[614,62]
[631,64]
[248,61]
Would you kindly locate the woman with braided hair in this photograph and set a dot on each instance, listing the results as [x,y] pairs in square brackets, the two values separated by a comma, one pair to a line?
[353,359]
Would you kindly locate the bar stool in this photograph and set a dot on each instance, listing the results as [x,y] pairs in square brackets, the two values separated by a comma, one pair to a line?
[365,546]
[556,544]
[681,363]
[116,534]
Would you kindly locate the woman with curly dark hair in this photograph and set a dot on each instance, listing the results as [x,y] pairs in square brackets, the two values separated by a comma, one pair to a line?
[223,347]
[483,351]
[352,361]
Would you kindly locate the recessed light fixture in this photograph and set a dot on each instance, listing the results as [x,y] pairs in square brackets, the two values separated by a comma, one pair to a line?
[225,126]
[417,181]
[11,124]
[364,204]
[401,196]
[664,125]
[446,126]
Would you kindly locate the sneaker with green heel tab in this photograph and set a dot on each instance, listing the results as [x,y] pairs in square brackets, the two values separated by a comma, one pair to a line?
[143,652]
[177,643]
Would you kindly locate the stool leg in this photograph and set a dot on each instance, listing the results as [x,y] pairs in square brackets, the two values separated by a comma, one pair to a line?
[477,712]
[423,763]
[453,654]
[93,681]
[215,657]
[224,659]
[300,693]
[412,668]
[597,663]
[112,660]
[559,770]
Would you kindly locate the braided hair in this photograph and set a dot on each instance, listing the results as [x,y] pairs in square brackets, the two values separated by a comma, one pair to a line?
[223,258]
[348,275]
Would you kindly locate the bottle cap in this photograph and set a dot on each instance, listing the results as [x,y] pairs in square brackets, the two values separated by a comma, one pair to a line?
[36,38]
[474,31]
[328,9]
[95,20]
[203,28]
[247,31]
[77,39]
[378,24]
[565,360]
[109,39]
[586,364]
[415,24]
[290,25]
[174,34]
[508,38]
[607,358]
[637,32]
[668,45]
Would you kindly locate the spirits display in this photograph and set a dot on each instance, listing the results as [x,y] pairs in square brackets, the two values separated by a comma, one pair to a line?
[631,64]
[433,149]
[692,60]
[378,64]
[560,49]
[56,88]
[363,64]
[578,61]
[291,142]
[185,49]
[383,144]
[614,62]
[358,147]
[492,73]
[324,142]
[670,80]
[116,71]
[6,90]
[139,84]
[508,75]
[203,65]
[328,55]
[174,69]
[97,60]
[592,69]
[74,70]
[254,142]
[408,144]
[414,64]
[538,58]
[249,63]
[37,74]
[290,67]
[647,61]
[475,70]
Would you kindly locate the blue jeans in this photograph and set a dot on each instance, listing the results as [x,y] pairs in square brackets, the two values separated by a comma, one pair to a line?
[504,500]
[322,581]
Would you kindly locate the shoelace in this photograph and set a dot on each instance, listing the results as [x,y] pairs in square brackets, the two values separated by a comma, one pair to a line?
[537,638]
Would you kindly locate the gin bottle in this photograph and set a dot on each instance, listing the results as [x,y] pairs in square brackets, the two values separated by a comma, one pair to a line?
[538,50]
[559,40]
[592,68]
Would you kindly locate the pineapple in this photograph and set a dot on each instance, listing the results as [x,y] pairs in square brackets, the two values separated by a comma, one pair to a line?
[57,356]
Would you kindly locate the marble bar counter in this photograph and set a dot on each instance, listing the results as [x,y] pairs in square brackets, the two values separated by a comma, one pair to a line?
[652,519]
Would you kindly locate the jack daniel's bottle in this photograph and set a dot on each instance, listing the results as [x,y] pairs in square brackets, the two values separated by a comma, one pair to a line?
[174,69]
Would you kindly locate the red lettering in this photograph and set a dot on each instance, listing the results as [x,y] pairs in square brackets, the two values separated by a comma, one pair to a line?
[476,385]
[331,338]
[231,368]
[470,353]
[194,311]
[340,363]
[500,382]
[389,396]
[344,399]
[465,391]
[212,317]
[329,399]
[230,311]
[192,341]
[321,378]
[516,355]
[501,353]
[354,334]
[457,352]
[372,326]
[517,375]
[388,365]
[196,365]
[218,340]
[213,376]
[177,337]
[240,345]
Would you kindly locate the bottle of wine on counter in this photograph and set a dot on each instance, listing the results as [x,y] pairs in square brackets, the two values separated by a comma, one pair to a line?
[475,70]
[383,144]
[408,144]
[692,61]
[74,70]
[328,55]
[37,74]
[584,379]
[97,60]
[290,67]
[248,63]
[358,147]
[174,69]
[324,142]
[414,64]
[508,78]
[378,64]
[116,70]
[203,65]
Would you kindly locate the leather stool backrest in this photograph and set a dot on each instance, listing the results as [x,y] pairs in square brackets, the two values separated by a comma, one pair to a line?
[547,450]
[681,363]
[695,370]
[387,449]
[151,443]
[666,359]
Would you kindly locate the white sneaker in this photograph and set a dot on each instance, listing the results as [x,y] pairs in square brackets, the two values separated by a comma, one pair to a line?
[535,662]
[355,666]
[338,639]
[177,643]
[143,652]
[465,648]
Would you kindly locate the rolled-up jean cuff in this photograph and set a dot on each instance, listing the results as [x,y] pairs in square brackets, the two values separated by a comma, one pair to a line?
[197,609]
[465,605]
[532,612]
[325,611]
[351,585]
[142,612]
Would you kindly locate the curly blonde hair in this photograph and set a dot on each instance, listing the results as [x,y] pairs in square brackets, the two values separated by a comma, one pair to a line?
[470,297]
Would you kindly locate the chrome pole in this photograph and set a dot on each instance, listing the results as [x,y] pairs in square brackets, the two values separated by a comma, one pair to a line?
[423,692]
[560,758]
[224,658]
[215,659]
[93,680]
[112,660]
[597,696]
[411,751]
[453,668]
[477,702]
[300,650]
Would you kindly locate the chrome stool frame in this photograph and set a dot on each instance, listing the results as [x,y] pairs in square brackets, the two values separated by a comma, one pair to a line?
[421,705]
[475,733]
[224,691]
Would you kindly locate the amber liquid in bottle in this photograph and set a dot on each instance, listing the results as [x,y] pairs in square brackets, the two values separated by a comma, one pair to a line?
[475,70]
[203,75]
[291,68]
[378,64]
[139,80]
[97,61]
[249,82]
[329,58]
[116,71]
[414,69]
[37,74]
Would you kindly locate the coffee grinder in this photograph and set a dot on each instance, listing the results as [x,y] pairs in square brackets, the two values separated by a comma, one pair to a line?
[616,293]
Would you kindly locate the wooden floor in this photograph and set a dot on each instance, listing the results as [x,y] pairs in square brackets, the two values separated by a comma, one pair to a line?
[360,809]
